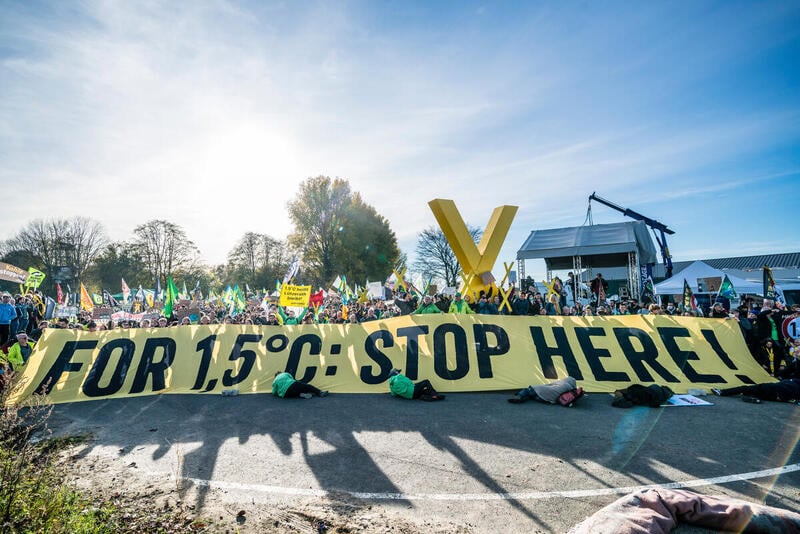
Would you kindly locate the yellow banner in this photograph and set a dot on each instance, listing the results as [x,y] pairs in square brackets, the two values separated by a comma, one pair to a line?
[295,296]
[455,352]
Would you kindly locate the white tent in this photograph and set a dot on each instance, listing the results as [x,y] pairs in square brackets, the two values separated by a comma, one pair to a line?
[698,269]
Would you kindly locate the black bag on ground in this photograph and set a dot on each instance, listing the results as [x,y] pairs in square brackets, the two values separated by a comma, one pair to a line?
[639,395]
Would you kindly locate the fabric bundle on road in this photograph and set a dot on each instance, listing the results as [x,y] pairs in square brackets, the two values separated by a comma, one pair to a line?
[656,511]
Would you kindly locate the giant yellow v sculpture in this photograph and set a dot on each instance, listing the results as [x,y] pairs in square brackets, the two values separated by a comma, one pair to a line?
[476,261]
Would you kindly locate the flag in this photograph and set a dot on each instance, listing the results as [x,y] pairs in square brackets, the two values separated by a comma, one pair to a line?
[140,294]
[157,293]
[317,298]
[185,292]
[227,296]
[86,300]
[197,294]
[294,268]
[238,302]
[171,297]
[49,308]
[771,290]
[726,289]
[126,292]
[97,299]
[689,301]
[109,299]
[278,285]
[649,290]
[59,293]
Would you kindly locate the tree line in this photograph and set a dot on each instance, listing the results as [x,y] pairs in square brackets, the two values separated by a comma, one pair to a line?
[334,232]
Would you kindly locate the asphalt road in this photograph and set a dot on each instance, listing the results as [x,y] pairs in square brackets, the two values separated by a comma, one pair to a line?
[474,458]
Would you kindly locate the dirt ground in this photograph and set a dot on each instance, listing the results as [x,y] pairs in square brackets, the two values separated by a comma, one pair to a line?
[163,502]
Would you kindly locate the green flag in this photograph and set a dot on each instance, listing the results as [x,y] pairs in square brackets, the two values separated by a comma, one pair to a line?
[239,302]
[171,298]
[726,289]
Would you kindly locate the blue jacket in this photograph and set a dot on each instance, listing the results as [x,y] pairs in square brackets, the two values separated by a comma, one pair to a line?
[7,313]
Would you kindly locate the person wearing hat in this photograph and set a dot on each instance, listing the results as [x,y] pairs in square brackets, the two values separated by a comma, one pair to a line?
[8,313]
[18,353]
[459,306]
[402,386]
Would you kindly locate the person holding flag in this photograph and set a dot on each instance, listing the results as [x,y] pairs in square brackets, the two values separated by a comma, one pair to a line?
[171,298]
[689,300]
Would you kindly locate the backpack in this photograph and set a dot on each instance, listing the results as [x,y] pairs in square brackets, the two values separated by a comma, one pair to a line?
[569,398]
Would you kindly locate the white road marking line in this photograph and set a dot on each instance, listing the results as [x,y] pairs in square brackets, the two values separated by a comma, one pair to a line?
[533,495]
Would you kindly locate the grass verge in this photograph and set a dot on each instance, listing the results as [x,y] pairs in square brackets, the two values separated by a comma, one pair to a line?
[35,495]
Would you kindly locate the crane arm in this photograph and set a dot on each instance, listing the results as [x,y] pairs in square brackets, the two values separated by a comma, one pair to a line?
[652,223]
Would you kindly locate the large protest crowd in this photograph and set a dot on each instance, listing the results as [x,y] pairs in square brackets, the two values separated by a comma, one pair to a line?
[760,321]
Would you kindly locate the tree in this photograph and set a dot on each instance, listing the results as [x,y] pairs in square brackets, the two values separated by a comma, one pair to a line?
[338,233]
[435,257]
[117,261]
[257,259]
[367,245]
[164,248]
[64,247]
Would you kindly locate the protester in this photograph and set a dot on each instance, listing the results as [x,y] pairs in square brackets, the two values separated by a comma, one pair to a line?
[402,386]
[520,305]
[428,307]
[599,288]
[18,353]
[547,393]
[285,386]
[783,391]
[770,356]
[552,307]
[485,306]
[459,305]
[8,314]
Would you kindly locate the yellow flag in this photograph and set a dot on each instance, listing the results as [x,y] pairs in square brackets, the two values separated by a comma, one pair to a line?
[86,300]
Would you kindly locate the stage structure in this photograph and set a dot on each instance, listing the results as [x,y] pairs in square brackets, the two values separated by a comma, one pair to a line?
[584,248]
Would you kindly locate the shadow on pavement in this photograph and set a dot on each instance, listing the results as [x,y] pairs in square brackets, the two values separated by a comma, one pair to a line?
[700,442]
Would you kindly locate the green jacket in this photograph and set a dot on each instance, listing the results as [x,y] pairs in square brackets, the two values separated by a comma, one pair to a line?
[291,320]
[459,307]
[401,386]
[15,357]
[430,308]
[281,384]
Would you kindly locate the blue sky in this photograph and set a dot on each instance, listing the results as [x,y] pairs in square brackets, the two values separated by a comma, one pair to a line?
[211,113]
